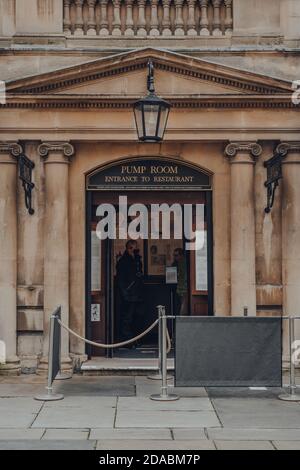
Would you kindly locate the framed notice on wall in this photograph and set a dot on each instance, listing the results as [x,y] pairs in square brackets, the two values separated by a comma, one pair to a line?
[201,278]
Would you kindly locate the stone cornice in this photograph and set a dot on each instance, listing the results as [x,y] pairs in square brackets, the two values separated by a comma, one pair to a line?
[62,149]
[12,148]
[252,148]
[235,101]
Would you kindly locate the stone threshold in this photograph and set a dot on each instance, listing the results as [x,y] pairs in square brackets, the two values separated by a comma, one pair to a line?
[124,366]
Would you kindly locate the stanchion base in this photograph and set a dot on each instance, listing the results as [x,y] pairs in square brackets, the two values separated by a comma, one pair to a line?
[158,377]
[292,397]
[61,376]
[49,397]
[159,397]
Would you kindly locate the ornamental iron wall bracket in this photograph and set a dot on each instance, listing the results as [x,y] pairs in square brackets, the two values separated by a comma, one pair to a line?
[25,174]
[274,174]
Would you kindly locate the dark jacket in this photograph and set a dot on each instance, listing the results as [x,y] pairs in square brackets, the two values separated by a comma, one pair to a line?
[129,277]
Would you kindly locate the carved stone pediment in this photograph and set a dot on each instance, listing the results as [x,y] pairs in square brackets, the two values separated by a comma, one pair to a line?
[119,79]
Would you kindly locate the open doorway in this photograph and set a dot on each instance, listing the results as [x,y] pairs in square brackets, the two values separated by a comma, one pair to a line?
[105,310]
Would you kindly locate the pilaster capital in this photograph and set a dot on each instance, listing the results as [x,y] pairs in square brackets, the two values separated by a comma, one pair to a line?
[252,149]
[292,148]
[10,151]
[63,151]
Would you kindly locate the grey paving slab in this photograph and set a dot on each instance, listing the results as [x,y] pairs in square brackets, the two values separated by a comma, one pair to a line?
[97,386]
[190,391]
[257,413]
[20,390]
[82,402]
[287,445]
[184,404]
[48,445]
[244,445]
[119,434]
[23,379]
[188,434]
[18,412]
[155,445]
[78,412]
[20,434]
[166,419]
[66,434]
[243,392]
[253,434]
[145,387]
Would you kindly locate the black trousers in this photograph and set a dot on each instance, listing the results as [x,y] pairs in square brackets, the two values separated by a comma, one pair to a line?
[129,319]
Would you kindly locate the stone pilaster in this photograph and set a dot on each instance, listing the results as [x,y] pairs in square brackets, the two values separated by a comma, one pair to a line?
[290,152]
[9,153]
[242,157]
[57,157]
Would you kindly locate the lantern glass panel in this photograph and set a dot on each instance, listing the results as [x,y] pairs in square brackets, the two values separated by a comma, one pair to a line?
[138,114]
[151,113]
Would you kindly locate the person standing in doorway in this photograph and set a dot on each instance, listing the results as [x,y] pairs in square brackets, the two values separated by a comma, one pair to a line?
[182,289]
[130,288]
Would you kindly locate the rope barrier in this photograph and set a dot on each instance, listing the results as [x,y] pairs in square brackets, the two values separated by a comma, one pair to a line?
[115,345]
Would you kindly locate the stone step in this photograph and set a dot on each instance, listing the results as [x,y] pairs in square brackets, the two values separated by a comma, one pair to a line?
[120,366]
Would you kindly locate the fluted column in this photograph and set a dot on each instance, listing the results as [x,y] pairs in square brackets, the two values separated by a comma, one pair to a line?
[67,18]
[290,152]
[57,157]
[217,18]
[141,19]
[242,157]
[103,21]
[117,19]
[166,22]
[179,31]
[154,31]
[79,18]
[92,18]
[204,31]
[9,153]
[228,17]
[129,31]
[191,23]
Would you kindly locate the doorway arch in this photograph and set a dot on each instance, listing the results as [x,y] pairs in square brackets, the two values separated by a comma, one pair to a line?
[146,180]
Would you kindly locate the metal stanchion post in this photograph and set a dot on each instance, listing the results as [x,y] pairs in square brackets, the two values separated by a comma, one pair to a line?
[62,375]
[164,396]
[292,395]
[161,312]
[50,396]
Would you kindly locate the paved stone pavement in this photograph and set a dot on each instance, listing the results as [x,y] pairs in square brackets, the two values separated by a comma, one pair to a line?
[112,412]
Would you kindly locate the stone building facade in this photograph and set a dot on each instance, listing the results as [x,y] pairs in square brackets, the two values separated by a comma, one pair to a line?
[72,70]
